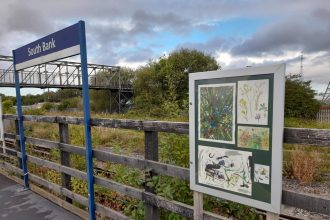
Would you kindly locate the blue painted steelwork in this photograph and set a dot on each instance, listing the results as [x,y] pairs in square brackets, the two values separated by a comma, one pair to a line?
[89,152]
[21,127]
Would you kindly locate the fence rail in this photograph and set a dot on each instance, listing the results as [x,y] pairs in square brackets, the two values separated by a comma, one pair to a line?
[150,164]
[323,115]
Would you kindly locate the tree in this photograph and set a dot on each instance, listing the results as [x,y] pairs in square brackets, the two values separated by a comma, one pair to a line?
[299,98]
[8,107]
[161,87]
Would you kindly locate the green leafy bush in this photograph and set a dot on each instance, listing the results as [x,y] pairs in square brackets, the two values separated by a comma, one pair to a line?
[300,98]
[8,107]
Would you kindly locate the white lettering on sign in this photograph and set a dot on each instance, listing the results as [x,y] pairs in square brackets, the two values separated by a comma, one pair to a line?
[48,45]
[33,51]
[45,46]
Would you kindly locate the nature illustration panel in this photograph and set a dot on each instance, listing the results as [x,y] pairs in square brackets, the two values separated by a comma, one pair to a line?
[252,101]
[217,112]
[225,169]
[261,173]
[253,137]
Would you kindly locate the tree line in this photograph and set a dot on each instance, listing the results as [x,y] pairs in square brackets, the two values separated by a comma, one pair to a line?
[161,87]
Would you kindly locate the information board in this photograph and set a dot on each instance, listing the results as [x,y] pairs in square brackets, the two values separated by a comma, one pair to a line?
[236,130]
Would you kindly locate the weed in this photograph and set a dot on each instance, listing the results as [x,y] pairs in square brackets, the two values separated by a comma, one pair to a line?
[305,165]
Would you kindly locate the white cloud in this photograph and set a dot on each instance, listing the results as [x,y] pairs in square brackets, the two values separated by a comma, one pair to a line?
[134,65]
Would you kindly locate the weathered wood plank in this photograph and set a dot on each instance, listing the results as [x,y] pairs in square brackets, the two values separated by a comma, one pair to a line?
[150,153]
[12,153]
[173,206]
[212,216]
[316,137]
[306,201]
[58,201]
[163,126]
[161,168]
[18,143]
[65,157]
[272,216]
[104,211]
[11,168]
[109,184]
[116,158]
[112,185]
[168,170]
[10,136]
[10,117]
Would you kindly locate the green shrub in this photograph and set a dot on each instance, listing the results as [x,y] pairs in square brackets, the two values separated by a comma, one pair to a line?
[8,107]
[48,106]
[300,98]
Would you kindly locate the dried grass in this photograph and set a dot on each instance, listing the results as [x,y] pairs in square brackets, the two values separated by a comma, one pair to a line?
[305,165]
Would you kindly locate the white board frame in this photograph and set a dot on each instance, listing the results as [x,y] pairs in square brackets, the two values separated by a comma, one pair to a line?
[277,136]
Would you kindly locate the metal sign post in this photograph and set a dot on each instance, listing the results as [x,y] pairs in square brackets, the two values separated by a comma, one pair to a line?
[20,126]
[61,44]
[89,152]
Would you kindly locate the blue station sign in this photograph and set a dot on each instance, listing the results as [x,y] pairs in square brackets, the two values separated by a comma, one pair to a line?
[58,45]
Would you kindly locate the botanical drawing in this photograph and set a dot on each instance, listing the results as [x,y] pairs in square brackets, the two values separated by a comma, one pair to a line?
[261,173]
[217,112]
[225,169]
[252,99]
[253,137]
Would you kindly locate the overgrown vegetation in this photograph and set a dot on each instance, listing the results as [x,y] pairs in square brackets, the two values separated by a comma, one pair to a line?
[300,98]
[161,87]
[161,92]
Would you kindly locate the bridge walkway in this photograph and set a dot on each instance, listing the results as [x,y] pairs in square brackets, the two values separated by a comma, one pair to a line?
[19,204]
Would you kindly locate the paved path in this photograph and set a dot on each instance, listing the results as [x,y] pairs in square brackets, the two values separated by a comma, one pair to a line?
[16,204]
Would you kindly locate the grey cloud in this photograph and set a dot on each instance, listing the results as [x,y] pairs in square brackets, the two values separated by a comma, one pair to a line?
[322,14]
[303,34]
[147,22]
[22,17]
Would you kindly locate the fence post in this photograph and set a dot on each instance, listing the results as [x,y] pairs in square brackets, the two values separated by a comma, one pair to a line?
[18,144]
[2,128]
[151,153]
[272,216]
[65,157]
[198,205]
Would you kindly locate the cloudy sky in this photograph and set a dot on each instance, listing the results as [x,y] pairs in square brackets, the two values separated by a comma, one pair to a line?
[237,33]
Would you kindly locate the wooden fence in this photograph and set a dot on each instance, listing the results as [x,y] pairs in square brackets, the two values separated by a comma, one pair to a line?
[323,115]
[150,164]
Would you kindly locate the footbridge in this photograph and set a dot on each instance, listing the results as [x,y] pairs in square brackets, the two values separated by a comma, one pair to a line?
[63,74]
[67,75]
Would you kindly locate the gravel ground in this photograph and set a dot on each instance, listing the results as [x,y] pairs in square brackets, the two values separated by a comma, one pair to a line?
[320,189]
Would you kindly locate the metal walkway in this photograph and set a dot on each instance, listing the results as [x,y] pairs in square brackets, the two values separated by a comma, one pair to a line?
[63,74]
[16,204]
[67,75]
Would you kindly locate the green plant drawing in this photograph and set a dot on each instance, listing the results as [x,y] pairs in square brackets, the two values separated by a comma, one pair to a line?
[216,112]
[253,102]
[253,137]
